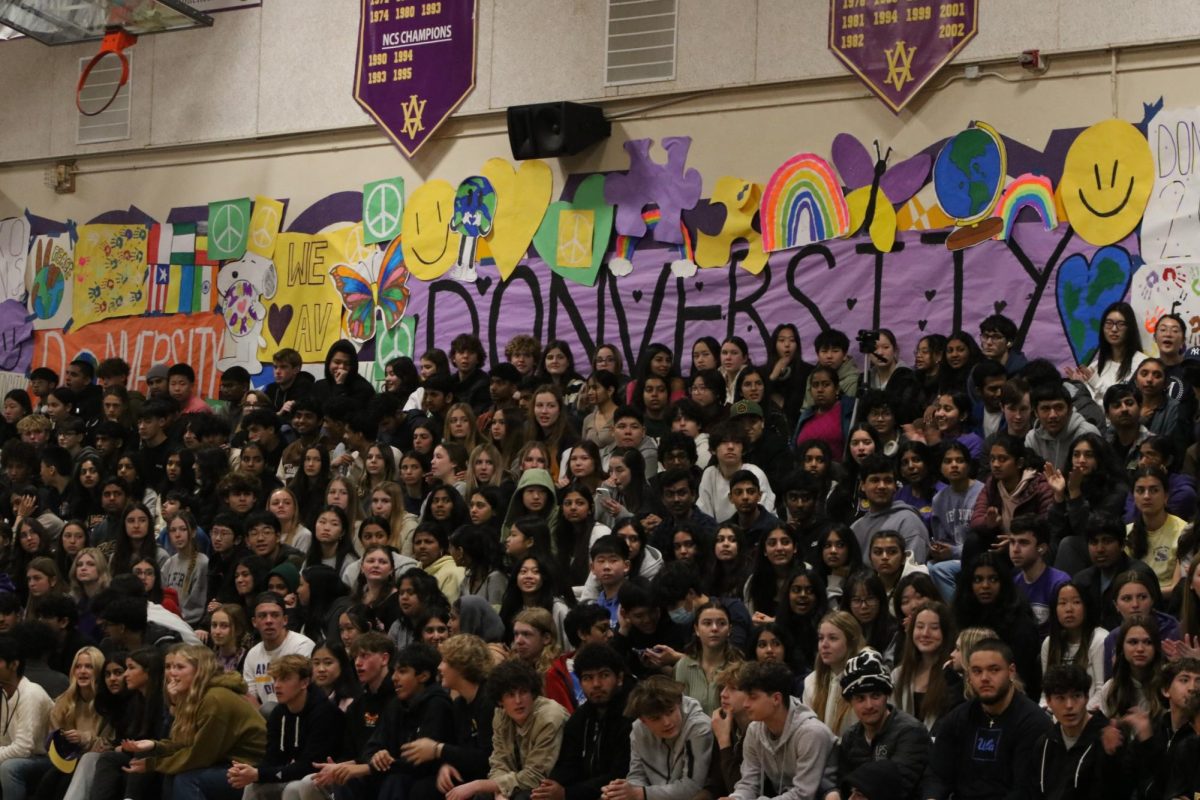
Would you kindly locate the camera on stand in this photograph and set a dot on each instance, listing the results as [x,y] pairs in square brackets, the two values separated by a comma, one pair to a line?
[867,341]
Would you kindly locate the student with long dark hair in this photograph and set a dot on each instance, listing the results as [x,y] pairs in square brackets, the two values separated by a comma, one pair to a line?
[1092,481]
[802,605]
[988,598]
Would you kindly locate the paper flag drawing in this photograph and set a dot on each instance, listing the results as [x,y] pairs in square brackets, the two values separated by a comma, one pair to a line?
[1106,181]
[588,197]
[430,245]
[228,228]
[110,272]
[372,288]
[474,213]
[1028,191]
[803,203]
[522,197]
[875,187]
[50,280]
[741,200]
[14,253]
[670,186]
[382,210]
[265,222]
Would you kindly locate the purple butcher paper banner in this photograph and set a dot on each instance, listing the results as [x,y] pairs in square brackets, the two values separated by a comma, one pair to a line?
[920,287]
[416,63]
[895,48]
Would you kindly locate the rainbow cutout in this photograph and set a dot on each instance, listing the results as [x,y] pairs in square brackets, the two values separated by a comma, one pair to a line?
[804,186]
[624,246]
[1027,191]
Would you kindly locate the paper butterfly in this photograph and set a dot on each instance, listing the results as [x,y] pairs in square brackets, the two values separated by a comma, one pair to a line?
[873,189]
[373,287]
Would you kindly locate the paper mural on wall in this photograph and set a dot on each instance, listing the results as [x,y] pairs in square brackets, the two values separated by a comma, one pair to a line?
[14,256]
[16,337]
[803,203]
[265,222]
[1106,182]
[110,272]
[474,212]
[671,186]
[372,289]
[578,231]
[1171,224]
[586,282]
[522,197]
[49,279]
[875,187]
[305,311]
[382,210]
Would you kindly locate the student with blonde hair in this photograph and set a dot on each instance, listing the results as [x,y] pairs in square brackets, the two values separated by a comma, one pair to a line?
[839,638]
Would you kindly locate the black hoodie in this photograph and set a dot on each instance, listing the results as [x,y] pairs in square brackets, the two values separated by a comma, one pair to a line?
[595,749]
[1082,773]
[428,714]
[471,745]
[355,388]
[296,741]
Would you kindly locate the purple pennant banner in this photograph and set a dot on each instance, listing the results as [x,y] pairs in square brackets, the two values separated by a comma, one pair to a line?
[896,47]
[416,63]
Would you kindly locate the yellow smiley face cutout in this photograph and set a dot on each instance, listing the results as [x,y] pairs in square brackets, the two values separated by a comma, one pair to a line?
[1106,182]
[430,247]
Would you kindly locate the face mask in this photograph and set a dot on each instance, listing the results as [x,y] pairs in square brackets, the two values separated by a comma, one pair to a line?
[682,616]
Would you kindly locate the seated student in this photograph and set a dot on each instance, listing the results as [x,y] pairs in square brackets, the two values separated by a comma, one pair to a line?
[729,445]
[1028,548]
[213,728]
[304,729]
[787,752]
[422,711]
[1134,596]
[887,556]
[985,747]
[886,512]
[431,548]
[1171,755]
[679,590]
[23,739]
[729,725]
[270,620]
[670,745]
[595,745]
[585,624]
[1106,549]
[678,491]
[240,493]
[1073,763]
[373,653]
[610,568]
[746,495]
[126,624]
[833,348]
[1154,533]
[1057,424]
[640,630]
[882,731]
[629,431]
[527,733]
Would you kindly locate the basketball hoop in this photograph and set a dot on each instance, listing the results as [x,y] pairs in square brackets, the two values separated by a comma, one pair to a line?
[112,53]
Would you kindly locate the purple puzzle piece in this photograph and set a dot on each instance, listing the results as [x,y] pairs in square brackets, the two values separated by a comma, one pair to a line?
[670,186]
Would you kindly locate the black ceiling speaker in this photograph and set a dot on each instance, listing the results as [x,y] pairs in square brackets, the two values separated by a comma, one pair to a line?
[554,129]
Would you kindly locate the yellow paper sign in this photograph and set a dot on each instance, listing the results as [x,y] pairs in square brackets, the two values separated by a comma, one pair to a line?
[1107,180]
[430,247]
[264,226]
[741,200]
[306,311]
[575,230]
[522,198]
[110,272]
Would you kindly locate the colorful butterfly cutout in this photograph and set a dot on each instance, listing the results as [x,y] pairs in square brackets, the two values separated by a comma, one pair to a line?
[873,190]
[373,287]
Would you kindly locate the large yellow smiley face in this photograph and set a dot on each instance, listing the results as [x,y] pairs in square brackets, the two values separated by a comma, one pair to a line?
[429,245]
[1106,182]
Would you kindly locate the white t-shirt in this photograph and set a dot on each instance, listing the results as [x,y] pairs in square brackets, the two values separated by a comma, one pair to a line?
[261,684]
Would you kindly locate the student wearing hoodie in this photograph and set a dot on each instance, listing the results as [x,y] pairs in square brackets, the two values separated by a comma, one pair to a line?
[1071,760]
[787,752]
[527,734]
[305,728]
[1014,488]
[886,512]
[882,731]
[1057,424]
[671,744]
[595,748]
[342,378]
[535,495]
[214,728]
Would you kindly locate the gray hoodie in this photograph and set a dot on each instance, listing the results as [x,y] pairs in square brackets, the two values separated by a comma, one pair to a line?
[900,517]
[1057,449]
[674,769]
[794,764]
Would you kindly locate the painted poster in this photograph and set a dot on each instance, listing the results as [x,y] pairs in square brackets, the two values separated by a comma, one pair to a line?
[48,278]
[143,342]
[895,48]
[1171,225]
[416,63]
[110,272]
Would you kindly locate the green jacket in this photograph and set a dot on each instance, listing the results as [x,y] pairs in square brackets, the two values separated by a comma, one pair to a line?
[228,728]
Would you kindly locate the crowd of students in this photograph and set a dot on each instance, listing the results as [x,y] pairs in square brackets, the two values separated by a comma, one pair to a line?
[972,577]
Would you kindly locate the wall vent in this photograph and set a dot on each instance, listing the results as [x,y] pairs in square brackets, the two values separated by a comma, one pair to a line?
[641,41]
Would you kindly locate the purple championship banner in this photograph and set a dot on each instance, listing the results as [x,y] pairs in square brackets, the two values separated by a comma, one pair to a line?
[416,63]
[896,46]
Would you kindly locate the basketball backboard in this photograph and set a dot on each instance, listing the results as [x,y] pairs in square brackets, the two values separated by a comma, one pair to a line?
[71,21]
